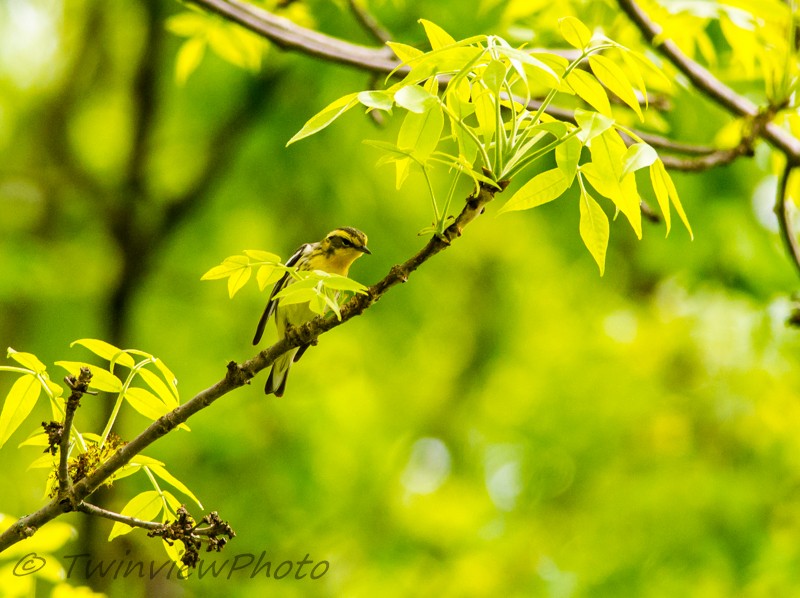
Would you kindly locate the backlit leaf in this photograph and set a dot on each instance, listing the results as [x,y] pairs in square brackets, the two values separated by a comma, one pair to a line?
[613,77]
[379,100]
[18,404]
[568,154]
[589,90]
[639,155]
[575,32]
[28,360]
[325,117]
[415,99]
[437,36]
[102,379]
[189,57]
[106,350]
[594,229]
[145,506]
[542,188]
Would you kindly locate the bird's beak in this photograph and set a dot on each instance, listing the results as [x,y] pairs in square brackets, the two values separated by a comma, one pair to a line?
[365,250]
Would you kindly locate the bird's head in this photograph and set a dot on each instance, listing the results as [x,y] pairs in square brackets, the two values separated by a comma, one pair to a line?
[341,247]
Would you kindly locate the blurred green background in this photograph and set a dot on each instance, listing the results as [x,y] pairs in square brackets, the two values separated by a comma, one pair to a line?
[508,423]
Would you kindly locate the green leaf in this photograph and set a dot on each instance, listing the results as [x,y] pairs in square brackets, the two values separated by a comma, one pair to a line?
[293,294]
[155,382]
[615,79]
[325,117]
[262,256]
[106,350]
[161,472]
[494,75]
[146,403]
[102,380]
[665,191]
[485,113]
[145,506]
[542,188]
[28,360]
[589,90]
[420,133]
[172,381]
[405,52]
[268,275]
[592,124]
[190,55]
[594,229]
[236,269]
[639,155]
[548,65]
[437,36]
[575,32]
[605,175]
[236,45]
[19,402]
[342,283]
[415,99]
[379,100]
[568,154]
[189,24]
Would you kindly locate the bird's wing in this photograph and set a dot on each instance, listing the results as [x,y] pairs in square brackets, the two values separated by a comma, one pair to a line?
[272,304]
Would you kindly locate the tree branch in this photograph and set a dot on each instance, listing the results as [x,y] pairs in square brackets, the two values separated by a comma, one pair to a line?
[91,509]
[368,22]
[239,375]
[704,81]
[784,217]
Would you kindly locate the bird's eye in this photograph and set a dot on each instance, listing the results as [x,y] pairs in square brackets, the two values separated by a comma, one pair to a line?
[346,242]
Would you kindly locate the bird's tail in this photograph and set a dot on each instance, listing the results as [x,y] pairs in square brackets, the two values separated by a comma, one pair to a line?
[276,383]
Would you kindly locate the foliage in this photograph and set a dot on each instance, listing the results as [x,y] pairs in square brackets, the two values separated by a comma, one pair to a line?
[504,424]
[493,134]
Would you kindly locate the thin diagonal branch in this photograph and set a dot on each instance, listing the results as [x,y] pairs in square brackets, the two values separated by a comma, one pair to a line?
[704,81]
[368,22]
[784,215]
[239,375]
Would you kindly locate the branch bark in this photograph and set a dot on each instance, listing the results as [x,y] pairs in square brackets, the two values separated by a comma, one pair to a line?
[704,81]
[239,375]
[785,218]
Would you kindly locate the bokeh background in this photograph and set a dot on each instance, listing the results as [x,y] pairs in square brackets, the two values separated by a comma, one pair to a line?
[508,423]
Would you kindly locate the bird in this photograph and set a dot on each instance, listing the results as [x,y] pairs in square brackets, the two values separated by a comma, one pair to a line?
[333,254]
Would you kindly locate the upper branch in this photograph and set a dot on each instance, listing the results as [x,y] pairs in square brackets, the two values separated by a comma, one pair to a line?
[784,216]
[703,80]
[238,375]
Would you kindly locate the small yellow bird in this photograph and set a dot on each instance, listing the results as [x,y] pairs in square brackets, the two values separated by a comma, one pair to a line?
[334,254]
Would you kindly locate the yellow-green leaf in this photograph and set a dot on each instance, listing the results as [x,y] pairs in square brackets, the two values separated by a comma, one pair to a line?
[615,79]
[639,155]
[438,37]
[405,52]
[665,192]
[145,506]
[106,350]
[325,117]
[189,24]
[146,403]
[589,90]
[161,472]
[544,187]
[172,381]
[102,380]
[568,154]
[162,391]
[420,133]
[189,57]
[594,229]
[28,360]
[575,32]
[605,175]
[19,402]
[268,275]
[262,256]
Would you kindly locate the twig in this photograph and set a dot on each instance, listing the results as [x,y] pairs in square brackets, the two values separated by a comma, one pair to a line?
[79,387]
[90,509]
[239,375]
[703,80]
[784,217]
[369,22]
